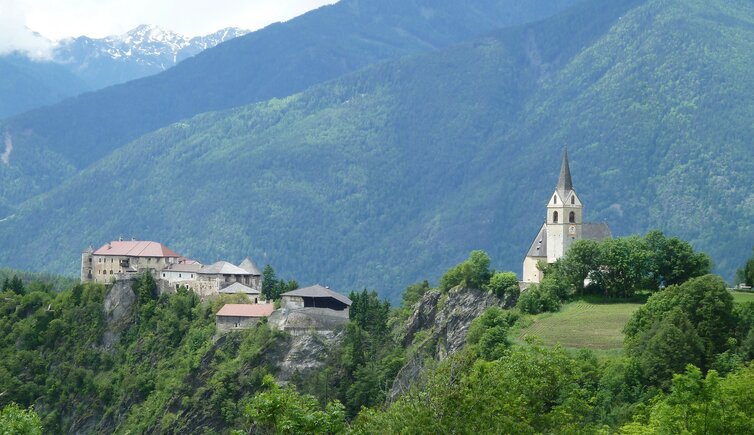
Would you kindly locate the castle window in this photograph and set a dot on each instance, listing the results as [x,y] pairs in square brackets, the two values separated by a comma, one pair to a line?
[572,217]
[555,217]
[573,200]
[111,272]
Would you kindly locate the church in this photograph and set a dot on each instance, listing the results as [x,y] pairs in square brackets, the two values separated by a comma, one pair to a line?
[563,225]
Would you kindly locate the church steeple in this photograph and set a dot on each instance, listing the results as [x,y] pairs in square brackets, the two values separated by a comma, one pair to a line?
[564,181]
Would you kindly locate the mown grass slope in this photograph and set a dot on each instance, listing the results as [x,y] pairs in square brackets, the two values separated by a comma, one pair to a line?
[742,297]
[582,324]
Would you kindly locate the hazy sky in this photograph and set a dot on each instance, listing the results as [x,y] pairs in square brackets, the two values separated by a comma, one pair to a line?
[56,19]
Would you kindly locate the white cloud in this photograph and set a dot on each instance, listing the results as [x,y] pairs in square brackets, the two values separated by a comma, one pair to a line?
[16,36]
[57,19]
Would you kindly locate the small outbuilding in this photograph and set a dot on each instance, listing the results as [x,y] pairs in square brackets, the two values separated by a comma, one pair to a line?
[315,296]
[239,289]
[312,308]
[241,316]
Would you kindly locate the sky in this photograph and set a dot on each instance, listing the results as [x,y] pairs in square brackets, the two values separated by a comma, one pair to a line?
[57,19]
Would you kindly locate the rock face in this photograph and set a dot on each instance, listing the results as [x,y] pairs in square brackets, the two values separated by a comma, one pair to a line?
[302,320]
[118,306]
[444,322]
[306,353]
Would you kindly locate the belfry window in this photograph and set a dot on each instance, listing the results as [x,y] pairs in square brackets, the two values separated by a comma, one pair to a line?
[555,217]
[573,200]
[554,199]
[572,217]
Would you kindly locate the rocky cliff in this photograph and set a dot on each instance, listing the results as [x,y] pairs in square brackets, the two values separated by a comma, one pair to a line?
[438,327]
[118,311]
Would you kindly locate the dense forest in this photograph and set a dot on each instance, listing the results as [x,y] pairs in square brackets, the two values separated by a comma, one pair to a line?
[685,367]
[387,173]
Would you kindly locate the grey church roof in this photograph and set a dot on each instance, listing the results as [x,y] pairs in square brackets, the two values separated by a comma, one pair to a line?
[564,180]
[317,291]
[597,231]
[249,266]
[539,245]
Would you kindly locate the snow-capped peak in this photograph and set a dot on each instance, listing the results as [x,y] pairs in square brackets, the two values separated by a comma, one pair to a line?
[146,44]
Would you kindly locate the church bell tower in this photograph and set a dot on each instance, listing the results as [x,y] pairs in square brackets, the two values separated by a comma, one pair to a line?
[564,215]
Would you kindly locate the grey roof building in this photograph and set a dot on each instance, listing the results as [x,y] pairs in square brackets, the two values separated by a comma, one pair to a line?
[315,296]
[248,265]
[239,289]
[223,268]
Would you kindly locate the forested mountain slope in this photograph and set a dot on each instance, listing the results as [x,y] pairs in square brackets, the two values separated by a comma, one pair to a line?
[277,61]
[398,171]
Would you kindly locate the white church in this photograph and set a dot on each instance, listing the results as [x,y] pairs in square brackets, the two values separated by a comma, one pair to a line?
[563,225]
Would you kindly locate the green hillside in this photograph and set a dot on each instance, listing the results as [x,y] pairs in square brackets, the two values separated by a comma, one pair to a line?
[277,61]
[398,171]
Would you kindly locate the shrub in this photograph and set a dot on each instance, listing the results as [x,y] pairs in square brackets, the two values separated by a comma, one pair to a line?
[504,285]
[538,299]
[473,273]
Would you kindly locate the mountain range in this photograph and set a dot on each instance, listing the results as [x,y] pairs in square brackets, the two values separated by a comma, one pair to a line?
[393,166]
[87,64]
[141,52]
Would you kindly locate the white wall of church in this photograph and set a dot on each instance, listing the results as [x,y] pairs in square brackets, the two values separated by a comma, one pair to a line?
[531,272]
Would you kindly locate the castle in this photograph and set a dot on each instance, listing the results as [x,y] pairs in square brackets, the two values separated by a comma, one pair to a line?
[562,227]
[127,259]
[311,308]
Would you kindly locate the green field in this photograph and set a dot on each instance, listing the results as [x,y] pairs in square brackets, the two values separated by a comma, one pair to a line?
[741,297]
[582,324]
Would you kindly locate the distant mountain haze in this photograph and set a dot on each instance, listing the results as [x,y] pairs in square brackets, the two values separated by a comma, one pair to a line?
[277,61]
[26,84]
[395,172]
[84,64]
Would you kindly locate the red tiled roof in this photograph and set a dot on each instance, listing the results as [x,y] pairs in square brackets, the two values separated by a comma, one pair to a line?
[246,310]
[136,248]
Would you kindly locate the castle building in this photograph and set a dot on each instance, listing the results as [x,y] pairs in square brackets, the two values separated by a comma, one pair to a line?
[562,227]
[123,260]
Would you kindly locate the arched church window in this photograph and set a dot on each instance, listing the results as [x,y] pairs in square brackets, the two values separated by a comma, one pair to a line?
[572,217]
[555,217]
[573,200]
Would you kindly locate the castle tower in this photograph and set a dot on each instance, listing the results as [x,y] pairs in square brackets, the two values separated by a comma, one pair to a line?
[564,215]
[86,265]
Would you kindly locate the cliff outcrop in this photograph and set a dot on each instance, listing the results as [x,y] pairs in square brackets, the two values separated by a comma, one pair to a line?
[118,308]
[437,328]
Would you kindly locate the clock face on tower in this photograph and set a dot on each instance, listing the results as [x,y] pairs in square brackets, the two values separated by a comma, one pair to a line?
[572,229]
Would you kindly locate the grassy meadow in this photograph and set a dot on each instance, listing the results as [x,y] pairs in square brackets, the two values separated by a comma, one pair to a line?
[742,297]
[581,324]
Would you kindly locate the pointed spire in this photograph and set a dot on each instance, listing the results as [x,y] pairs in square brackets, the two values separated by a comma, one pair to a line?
[564,181]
